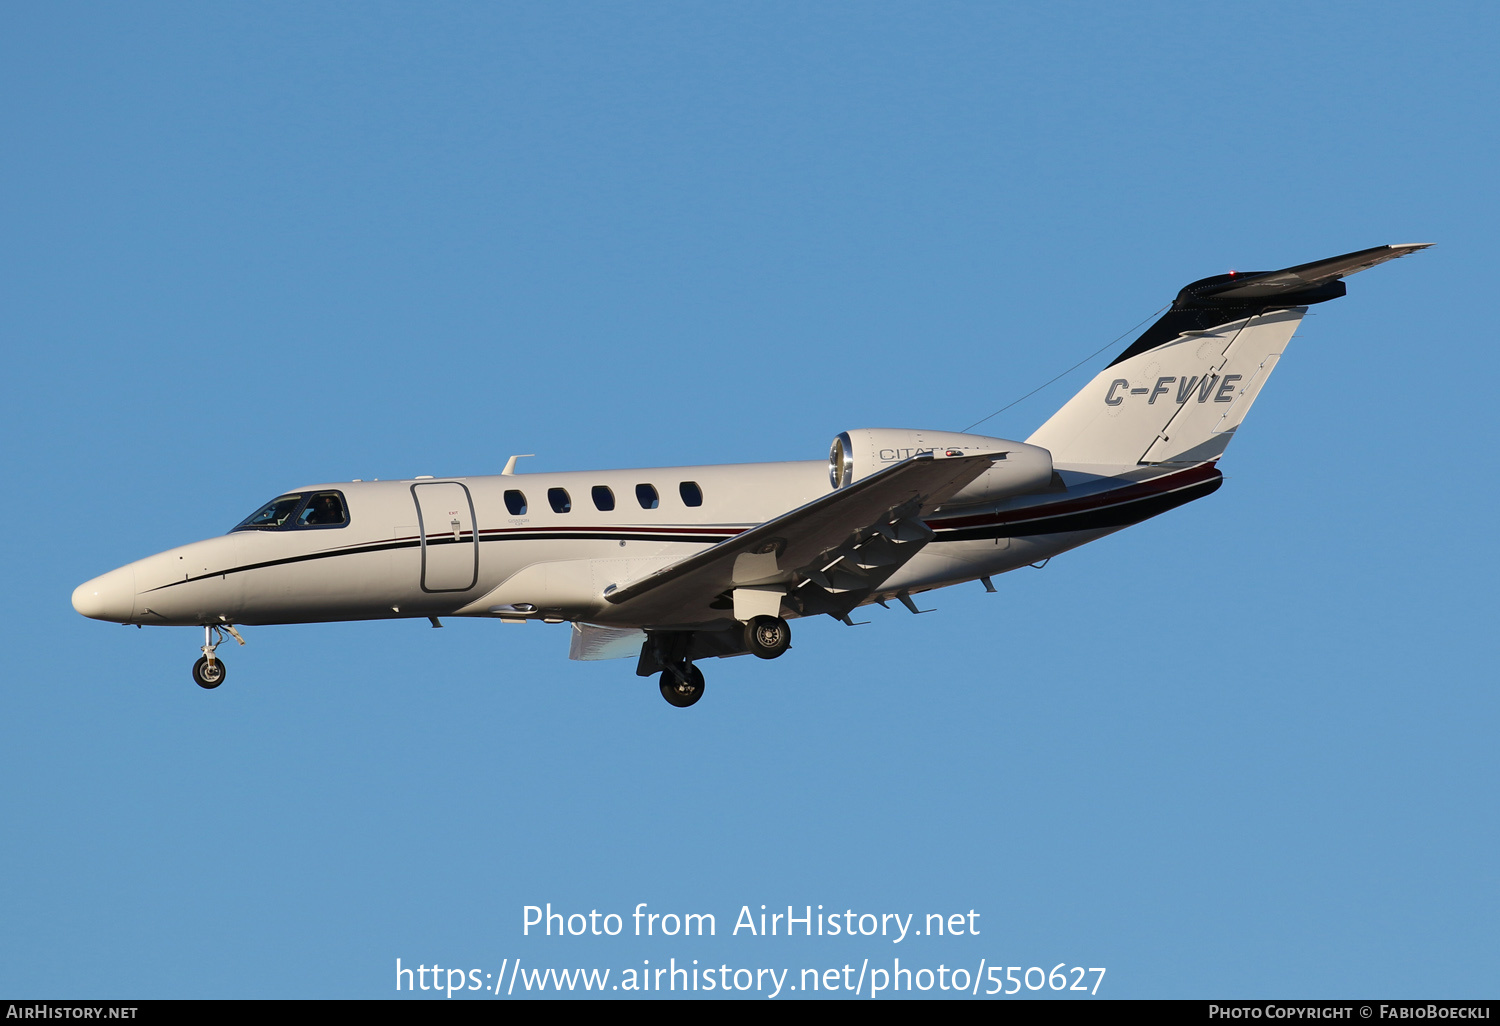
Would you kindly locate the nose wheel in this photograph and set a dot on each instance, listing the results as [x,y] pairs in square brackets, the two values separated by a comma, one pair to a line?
[682,685]
[209,671]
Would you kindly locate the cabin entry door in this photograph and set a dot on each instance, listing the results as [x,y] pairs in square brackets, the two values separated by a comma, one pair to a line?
[450,544]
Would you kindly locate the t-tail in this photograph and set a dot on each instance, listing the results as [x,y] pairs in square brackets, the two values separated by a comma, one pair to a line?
[1177,395]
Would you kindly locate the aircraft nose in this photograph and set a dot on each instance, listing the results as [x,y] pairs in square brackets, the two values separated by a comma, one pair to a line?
[109,597]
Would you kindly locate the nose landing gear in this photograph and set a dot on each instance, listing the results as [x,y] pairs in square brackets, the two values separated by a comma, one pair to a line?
[209,672]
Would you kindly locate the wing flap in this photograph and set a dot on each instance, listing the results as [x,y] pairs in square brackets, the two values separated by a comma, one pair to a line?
[590,642]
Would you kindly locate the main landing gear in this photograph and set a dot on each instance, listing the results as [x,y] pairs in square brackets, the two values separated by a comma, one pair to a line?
[673,653]
[768,636]
[209,671]
[682,685]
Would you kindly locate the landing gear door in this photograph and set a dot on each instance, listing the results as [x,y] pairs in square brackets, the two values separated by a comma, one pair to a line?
[450,544]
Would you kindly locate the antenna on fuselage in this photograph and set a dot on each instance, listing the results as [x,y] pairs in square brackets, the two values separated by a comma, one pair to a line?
[510,464]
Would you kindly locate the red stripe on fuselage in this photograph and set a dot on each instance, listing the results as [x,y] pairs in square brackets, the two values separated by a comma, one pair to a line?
[1085,503]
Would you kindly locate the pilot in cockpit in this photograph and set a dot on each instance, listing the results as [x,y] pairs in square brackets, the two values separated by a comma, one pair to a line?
[323,510]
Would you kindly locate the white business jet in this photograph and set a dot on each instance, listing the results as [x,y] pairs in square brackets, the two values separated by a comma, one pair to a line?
[674,565]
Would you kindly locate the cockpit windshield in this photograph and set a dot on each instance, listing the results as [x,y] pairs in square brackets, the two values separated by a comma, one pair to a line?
[291,512]
[272,515]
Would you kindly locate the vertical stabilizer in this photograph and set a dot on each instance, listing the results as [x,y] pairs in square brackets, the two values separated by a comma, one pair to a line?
[1181,390]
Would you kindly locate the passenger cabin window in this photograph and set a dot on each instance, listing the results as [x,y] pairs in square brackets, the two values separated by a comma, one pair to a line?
[325,509]
[646,495]
[515,502]
[558,497]
[691,494]
[604,499]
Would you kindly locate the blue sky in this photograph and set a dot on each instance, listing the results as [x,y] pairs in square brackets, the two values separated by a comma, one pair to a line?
[1244,749]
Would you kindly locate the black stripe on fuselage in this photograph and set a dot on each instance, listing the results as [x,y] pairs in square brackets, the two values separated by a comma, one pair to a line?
[1118,507]
[509,534]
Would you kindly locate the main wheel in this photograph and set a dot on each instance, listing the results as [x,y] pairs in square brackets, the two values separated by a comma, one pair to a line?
[682,693]
[209,674]
[768,636]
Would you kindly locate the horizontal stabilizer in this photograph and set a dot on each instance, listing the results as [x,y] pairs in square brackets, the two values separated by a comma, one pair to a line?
[1279,284]
[1208,303]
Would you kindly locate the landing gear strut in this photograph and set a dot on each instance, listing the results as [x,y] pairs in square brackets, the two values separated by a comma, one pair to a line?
[209,671]
[768,636]
[682,685]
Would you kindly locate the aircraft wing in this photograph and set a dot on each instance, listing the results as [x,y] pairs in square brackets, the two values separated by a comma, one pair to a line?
[824,557]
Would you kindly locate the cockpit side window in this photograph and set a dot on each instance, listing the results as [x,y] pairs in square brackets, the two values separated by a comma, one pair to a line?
[273,515]
[324,509]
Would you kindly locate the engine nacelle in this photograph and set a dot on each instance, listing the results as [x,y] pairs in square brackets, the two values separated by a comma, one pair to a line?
[1021,470]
